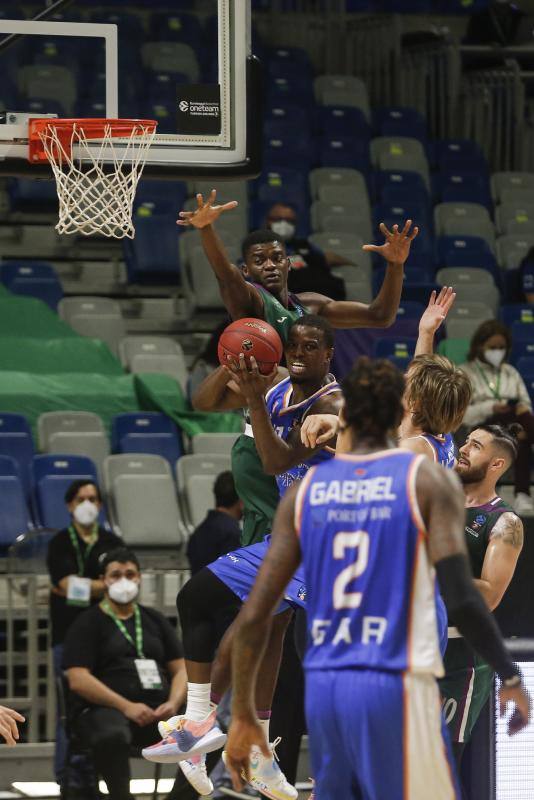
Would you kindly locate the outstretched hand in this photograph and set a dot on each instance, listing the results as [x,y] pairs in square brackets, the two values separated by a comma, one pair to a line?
[206,212]
[437,309]
[396,248]
[251,382]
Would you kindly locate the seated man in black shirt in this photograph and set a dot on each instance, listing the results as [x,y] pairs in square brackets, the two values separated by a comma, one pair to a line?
[125,665]
[73,560]
[219,532]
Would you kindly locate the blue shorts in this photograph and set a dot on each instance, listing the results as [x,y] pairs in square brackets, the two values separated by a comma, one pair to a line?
[442,620]
[238,571]
[378,736]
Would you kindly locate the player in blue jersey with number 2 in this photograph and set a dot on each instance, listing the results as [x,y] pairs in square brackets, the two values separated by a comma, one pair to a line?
[371,526]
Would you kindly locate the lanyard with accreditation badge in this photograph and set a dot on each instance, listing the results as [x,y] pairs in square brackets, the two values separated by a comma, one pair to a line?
[79,587]
[494,389]
[147,669]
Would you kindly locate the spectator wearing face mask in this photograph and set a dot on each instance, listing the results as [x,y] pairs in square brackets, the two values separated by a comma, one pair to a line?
[73,559]
[310,267]
[501,397]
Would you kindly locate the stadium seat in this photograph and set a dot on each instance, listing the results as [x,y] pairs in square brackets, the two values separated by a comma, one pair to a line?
[195,475]
[132,346]
[400,121]
[517,312]
[16,442]
[458,155]
[458,328]
[458,251]
[342,90]
[152,256]
[343,151]
[519,196]
[157,192]
[525,365]
[511,250]
[514,218]
[32,279]
[401,153]
[171,57]
[205,289]
[142,500]
[522,331]
[14,515]
[332,217]
[282,61]
[49,82]
[522,348]
[346,245]
[343,121]
[146,432]
[290,89]
[474,309]
[289,184]
[213,443]
[79,433]
[52,476]
[322,177]
[167,26]
[410,310]
[171,365]
[345,195]
[97,317]
[27,196]
[397,187]
[450,217]
[502,181]
[398,213]
[399,346]
[462,187]
[289,152]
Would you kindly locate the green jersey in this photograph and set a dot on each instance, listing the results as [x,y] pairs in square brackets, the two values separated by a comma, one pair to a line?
[480,521]
[257,490]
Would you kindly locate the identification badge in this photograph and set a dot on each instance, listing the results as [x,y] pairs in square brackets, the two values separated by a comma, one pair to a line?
[78,591]
[148,672]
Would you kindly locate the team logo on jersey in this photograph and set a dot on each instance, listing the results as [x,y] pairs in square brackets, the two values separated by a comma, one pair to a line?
[478,522]
[301,594]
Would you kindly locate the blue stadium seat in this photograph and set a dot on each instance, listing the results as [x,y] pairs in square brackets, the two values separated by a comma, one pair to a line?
[153,256]
[525,365]
[464,251]
[161,87]
[413,276]
[529,383]
[397,214]
[288,61]
[177,27]
[399,346]
[522,331]
[401,362]
[517,312]
[14,515]
[522,348]
[343,121]
[285,128]
[52,476]
[289,151]
[397,188]
[157,192]
[129,25]
[165,113]
[33,279]
[462,187]
[400,121]
[293,89]
[16,442]
[288,111]
[410,310]
[418,292]
[283,184]
[459,155]
[148,432]
[344,151]
[32,196]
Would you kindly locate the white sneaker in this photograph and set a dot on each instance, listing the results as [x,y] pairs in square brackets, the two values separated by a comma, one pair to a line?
[523,504]
[267,777]
[194,769]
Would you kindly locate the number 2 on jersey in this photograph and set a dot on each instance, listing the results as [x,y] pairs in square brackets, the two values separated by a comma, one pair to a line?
[359,541]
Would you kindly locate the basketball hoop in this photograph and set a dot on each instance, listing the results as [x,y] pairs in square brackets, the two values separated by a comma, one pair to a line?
[97,164]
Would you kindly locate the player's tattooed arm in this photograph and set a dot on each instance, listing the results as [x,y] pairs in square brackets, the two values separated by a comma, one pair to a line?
[252,628]
[504,548]
[240,297]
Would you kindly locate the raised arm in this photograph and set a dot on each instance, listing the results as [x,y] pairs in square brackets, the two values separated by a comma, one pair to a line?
[441,501]
[504,548]
[252,629]
[240,297]
[434,315]
[277,455]
[382,311]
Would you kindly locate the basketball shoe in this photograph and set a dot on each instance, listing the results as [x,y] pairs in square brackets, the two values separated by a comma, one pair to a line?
[267,777]
[184,738]
[194,768]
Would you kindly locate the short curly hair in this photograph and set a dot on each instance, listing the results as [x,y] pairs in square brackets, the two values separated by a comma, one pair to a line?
[373,393]
[437,394]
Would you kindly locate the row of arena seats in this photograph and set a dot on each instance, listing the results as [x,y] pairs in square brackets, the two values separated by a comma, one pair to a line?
[146,447]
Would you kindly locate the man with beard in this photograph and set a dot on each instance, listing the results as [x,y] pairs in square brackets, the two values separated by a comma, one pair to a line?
[494,538]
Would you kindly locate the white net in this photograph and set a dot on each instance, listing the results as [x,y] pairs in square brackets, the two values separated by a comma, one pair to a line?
[97,178]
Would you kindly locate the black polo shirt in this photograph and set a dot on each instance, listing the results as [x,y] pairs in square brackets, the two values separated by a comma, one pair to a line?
[62,561]
[217,534]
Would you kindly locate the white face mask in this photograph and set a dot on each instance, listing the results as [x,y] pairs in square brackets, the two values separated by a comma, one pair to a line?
[284,229]
[494,357]
[123,591]
[86,513]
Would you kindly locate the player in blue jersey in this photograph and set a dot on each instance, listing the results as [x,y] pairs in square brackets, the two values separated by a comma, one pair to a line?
[368,525]
[211,597]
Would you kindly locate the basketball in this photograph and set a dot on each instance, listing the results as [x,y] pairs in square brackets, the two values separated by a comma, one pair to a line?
[253,337]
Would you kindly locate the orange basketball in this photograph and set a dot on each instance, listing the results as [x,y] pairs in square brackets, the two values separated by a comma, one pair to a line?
[253,337]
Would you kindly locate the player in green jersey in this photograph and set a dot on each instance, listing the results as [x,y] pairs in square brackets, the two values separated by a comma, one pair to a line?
[260,290]
[494,538]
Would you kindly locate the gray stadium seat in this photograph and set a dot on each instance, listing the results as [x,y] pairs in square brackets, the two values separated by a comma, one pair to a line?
[132,346]
[338,217]
[458,276]
[467,226]
[486,293]
[345,195]
[514,218]
[449,213]
[357,283]
[346,245]
[501,181]
[142,500]
[234,222]
[195,475]
[49,82]
[519,196]
[470,310]
[462,328]
[213,443]
[511,250]
[204,286]
[78,433]
[400,153]
[340,176]
[171,57]
[97,317]
[172,365]
[342,90]
[226,191]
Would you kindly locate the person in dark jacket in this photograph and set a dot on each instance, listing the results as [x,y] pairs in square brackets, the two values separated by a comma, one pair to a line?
[219,532]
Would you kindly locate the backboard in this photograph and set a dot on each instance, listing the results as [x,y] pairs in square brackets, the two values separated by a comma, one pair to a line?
[191,70]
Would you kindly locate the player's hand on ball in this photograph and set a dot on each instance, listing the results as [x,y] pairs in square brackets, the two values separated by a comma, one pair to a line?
[318,429]
[519,696]
[244,733]
[206,212]
[251,382]
[396,248]
[437,309]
